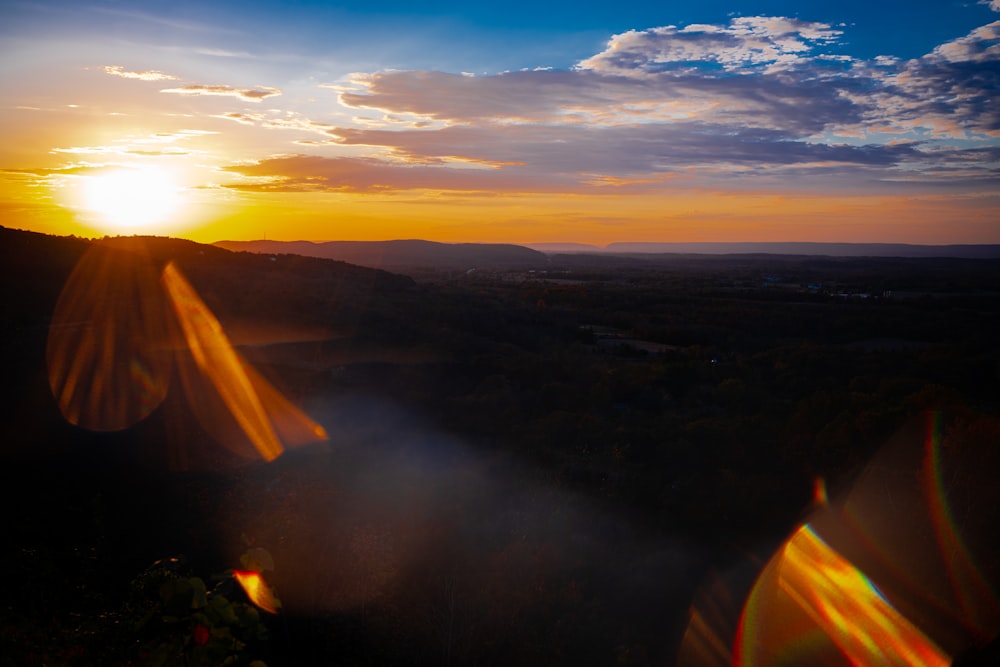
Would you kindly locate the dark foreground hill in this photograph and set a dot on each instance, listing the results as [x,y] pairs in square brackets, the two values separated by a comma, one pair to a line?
[531,472]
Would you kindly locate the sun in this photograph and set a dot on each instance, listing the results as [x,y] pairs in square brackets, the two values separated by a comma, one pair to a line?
[134,198]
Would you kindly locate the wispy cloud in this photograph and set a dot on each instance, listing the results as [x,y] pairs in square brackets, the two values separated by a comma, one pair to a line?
[150,145]
[158,20]
[242,118]
[223,53]
[148,75]
[246,94]
[275,120]
[302,173]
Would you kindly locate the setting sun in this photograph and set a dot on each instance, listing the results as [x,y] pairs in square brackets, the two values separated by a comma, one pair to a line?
[132,199]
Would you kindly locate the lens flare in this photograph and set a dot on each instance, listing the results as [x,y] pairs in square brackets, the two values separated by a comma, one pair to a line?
[900,570]
[969,588]
[218,362]
[810,588]
[108,345]
[116,334]
[820,496]
[257,590]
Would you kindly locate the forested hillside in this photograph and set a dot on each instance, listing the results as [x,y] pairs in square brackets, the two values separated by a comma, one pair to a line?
[521,468]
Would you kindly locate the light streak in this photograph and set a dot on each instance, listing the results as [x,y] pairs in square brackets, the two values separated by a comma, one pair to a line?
[837,599]
[218,362]
[257,590]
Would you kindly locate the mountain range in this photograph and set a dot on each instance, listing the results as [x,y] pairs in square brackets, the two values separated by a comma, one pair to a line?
[400,255]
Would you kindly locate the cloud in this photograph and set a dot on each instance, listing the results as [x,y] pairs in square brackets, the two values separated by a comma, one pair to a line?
[952,91]
[88,150]
[746,100]
[223,53]
[744,45]
[246,94]
[595,99]
[121,150]
[148,75]
[980,45]
[241,118]
[140,146]
[521,159]
[288,120]
[575,153]
[304,173]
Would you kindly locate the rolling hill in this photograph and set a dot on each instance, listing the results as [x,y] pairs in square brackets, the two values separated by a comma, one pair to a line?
[400,255]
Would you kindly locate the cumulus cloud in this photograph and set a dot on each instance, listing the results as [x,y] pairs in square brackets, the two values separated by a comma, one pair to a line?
[980,45]
[952,91]
[749,98]
[246,94]
[147,75]
[744,45]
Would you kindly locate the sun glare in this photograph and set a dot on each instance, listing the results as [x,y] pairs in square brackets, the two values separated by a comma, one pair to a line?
[133,198]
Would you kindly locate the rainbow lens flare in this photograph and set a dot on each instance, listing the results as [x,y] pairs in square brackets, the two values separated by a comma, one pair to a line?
[835,615]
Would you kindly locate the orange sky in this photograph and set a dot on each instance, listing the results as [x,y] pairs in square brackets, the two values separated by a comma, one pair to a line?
[732,131]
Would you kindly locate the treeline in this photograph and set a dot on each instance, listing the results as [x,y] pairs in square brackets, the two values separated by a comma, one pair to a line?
[773,392]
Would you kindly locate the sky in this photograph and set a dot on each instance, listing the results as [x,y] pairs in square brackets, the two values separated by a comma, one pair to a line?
[595,123]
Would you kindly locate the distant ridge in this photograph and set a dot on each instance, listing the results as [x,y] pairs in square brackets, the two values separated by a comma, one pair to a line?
[403,254]
[398,255]
[805,248]
[564,247]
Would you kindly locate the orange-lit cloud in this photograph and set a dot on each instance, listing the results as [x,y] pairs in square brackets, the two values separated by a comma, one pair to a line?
[149,75]
[246,94]
[300,173]
[288,121]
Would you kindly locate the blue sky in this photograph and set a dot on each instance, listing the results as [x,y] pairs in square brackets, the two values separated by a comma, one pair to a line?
[515,35]
[881,111]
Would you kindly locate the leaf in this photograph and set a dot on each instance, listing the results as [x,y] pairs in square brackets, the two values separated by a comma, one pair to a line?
[199,595]
[257,559]
[220,610]
[177,596]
